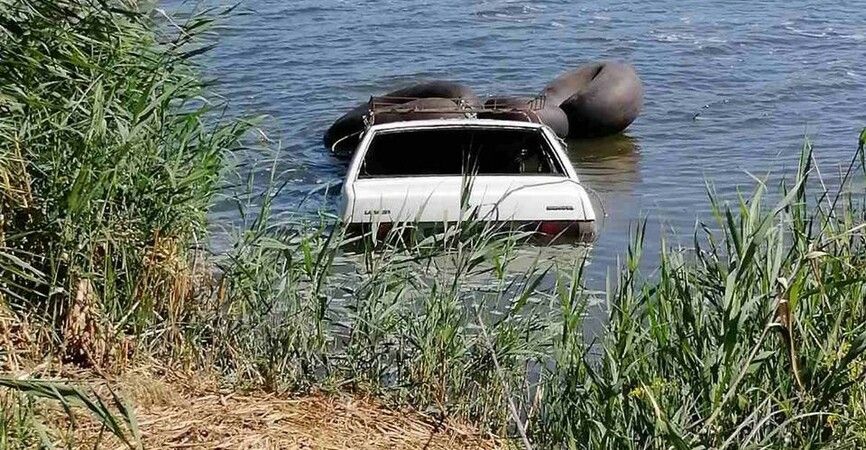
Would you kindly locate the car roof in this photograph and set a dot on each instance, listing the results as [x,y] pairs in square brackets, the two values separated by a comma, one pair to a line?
[461,122]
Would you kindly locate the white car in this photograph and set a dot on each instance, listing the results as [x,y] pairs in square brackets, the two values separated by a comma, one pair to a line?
[434,171]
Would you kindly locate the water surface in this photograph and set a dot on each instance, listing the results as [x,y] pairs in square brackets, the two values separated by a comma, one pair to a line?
[731,89]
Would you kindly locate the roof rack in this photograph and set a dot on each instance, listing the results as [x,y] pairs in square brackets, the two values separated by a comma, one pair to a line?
[398,105]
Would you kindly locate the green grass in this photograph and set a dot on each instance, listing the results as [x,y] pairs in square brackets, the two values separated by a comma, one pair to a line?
[111,153]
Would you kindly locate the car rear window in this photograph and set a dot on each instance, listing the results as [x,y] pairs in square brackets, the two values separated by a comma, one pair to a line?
[458,151]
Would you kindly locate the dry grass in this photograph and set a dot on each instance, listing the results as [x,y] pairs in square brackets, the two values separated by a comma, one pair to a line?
[259,420]
[176,410]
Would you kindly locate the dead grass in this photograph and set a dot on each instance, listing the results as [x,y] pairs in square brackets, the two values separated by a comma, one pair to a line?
[176,410]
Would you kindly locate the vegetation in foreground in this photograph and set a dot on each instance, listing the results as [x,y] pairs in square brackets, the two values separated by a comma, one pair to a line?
[110,155]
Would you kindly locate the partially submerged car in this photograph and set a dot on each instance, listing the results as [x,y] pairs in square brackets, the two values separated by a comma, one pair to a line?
[441,171]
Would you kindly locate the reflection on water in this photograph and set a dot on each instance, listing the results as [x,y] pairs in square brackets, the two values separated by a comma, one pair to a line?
[610,168]
[608,163]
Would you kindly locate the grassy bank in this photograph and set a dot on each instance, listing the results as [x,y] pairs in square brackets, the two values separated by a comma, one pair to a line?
[112,154]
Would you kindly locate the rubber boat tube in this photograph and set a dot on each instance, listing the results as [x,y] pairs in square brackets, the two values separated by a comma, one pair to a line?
[599,98]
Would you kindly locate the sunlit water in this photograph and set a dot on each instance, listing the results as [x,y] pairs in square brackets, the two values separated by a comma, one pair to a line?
[731,88]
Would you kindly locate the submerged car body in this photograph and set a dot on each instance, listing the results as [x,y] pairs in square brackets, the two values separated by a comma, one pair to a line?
[447,170]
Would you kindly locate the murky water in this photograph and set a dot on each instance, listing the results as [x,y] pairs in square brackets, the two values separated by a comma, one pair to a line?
[731,88]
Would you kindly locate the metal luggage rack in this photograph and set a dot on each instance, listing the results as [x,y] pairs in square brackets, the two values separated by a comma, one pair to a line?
[397,105]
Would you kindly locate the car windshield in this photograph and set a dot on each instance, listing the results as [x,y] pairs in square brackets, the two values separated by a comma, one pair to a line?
[458,151]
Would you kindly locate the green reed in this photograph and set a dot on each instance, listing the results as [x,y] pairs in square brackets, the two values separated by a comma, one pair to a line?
[109,158]
[753,338]
[110,154]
